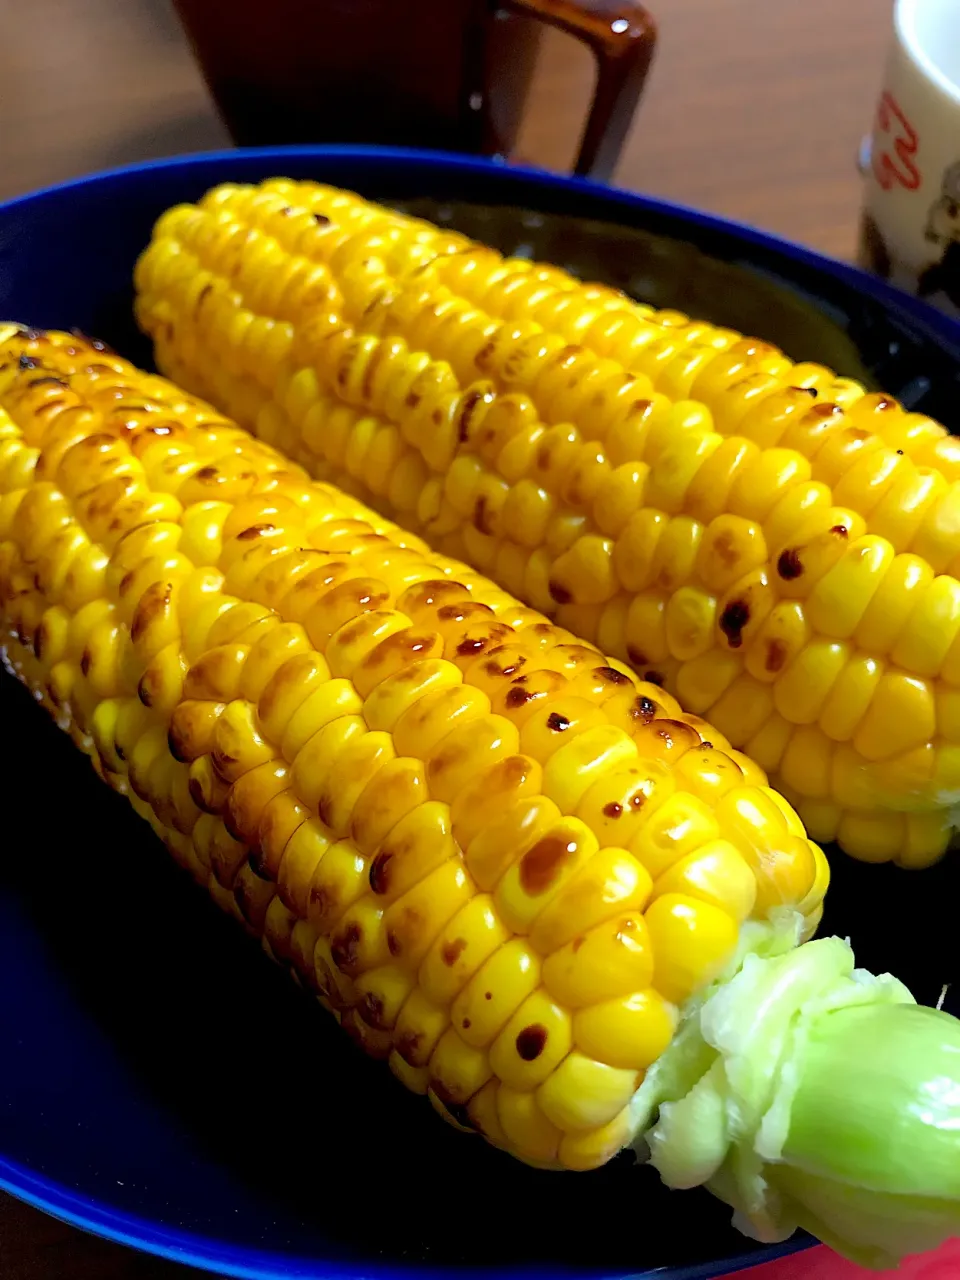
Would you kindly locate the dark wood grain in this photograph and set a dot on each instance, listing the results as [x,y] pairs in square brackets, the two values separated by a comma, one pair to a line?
[755,109]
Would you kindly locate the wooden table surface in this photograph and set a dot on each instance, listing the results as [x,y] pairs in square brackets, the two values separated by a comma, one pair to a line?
[755,109]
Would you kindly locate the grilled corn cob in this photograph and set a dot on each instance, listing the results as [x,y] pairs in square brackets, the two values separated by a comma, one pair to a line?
[506,862]
[775,547]
[503,863]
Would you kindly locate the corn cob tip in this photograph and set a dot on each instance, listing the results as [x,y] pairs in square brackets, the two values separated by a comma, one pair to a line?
[836,1111]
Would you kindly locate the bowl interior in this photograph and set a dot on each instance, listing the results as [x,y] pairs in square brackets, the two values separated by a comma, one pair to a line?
[162,1077]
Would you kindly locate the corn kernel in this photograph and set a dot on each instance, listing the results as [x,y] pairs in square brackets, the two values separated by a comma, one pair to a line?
[532,1044]
[495,992]
[682,824]
[585,1094]
[629,1033]
[606,885]
[457,1070]
[877,837]
[609,960]
[691,940]
[715,873]
[901,715]
[838,602]
[526,1127]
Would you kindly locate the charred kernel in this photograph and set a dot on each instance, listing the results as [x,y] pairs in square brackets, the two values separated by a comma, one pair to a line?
[557,722]
[776,655]
[543,864]
[379,873]
[610,675]
[459,1111]
[733,620]
[395,942]
[531,1042]
[452,951]
[481,359]
[840,530]
[345,946]
[670,732]
[789,565]
[153,604]
[559,592]
[408,1044]
[431,592]
[467,408]
[517,696]
[458,612]
[480,518]
[371,1009]
[614,809]
[507,669]
[725,548]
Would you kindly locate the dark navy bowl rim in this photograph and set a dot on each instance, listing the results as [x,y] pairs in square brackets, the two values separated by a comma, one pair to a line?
[941,327]
[196,1249]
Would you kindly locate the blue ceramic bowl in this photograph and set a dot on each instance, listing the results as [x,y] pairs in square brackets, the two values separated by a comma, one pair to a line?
[160,1083]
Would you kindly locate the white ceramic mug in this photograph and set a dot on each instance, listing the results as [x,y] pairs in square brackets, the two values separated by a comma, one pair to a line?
[910,228]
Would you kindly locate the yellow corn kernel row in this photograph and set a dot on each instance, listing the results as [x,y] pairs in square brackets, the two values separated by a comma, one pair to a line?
[770,544]
[500,859]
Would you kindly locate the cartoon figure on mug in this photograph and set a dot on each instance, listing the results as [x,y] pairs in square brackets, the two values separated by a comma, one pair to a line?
[943,229]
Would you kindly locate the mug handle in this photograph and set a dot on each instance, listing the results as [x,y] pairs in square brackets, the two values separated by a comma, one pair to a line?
[622,36]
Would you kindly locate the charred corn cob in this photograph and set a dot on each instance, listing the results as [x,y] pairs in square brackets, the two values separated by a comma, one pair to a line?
[506,865]
[774,546]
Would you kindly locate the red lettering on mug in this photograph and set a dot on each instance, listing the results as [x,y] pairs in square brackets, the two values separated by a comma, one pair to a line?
[897,167]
